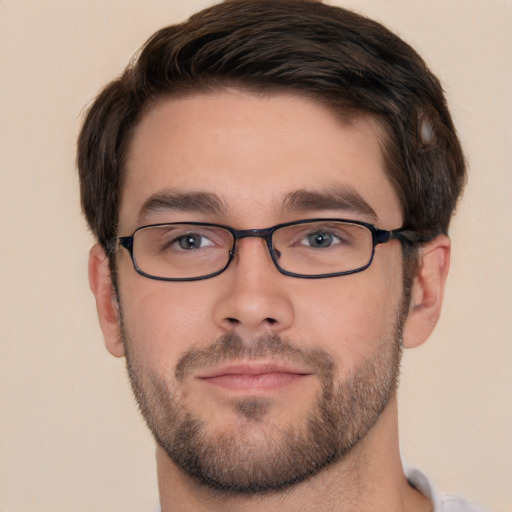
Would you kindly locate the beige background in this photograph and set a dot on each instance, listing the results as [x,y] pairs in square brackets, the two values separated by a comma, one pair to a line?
[70,436]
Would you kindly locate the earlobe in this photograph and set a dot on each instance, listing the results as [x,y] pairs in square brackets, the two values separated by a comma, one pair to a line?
[427,291]
[100,281]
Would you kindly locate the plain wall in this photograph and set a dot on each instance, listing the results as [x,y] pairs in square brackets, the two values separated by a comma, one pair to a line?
[71,438]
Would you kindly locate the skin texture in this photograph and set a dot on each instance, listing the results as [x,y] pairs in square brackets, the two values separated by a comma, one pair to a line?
[252,153]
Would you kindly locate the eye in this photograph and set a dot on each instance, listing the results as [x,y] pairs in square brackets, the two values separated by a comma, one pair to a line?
[321,239]
[190,241]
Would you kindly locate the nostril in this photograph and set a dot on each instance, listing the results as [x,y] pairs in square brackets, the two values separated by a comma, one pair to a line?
[234,322]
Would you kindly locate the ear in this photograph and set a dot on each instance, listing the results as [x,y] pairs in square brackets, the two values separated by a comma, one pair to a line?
[427,291]
[100,281]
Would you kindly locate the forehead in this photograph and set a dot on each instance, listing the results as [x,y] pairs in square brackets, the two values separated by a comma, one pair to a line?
[251,153]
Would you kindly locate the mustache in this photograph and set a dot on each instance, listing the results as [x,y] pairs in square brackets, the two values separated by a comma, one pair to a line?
[231,347]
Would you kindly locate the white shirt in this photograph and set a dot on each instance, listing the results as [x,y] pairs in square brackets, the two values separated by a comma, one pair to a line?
[441,503]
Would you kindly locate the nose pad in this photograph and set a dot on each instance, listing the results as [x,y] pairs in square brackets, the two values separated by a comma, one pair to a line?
[254,298]
[277,253]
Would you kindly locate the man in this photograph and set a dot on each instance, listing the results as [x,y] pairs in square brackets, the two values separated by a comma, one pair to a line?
[271,185]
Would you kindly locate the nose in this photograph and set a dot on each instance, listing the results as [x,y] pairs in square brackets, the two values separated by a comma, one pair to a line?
[253,295]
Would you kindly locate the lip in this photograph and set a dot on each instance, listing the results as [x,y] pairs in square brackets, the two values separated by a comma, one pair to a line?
[256,376]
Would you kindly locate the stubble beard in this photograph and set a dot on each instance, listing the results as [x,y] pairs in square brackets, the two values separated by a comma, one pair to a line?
[273,457]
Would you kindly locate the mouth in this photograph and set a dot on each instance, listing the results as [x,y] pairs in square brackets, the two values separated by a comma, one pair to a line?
[257,377]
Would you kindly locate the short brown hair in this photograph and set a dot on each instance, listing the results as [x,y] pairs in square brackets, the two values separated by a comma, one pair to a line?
[344,60]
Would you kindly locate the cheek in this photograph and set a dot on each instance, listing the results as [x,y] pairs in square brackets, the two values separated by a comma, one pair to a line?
[163,320]
[353,315]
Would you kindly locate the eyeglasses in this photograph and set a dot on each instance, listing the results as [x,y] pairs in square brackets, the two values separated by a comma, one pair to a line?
[313,248]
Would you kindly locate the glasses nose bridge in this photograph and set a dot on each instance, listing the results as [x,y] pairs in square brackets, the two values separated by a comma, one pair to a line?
[265,233]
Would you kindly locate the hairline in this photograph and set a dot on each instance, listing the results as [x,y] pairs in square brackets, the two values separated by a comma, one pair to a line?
[215,86]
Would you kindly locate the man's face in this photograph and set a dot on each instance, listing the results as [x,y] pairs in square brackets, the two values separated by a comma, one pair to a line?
[253,380]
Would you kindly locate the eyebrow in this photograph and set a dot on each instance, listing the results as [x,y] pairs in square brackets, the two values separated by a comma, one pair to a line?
[300,202]
[200,202]
[337,198]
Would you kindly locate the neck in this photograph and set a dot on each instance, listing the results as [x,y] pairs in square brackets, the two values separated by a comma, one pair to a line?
[369,478]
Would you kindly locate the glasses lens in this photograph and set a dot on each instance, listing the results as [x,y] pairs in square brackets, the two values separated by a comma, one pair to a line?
[181,251]
[323,247]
